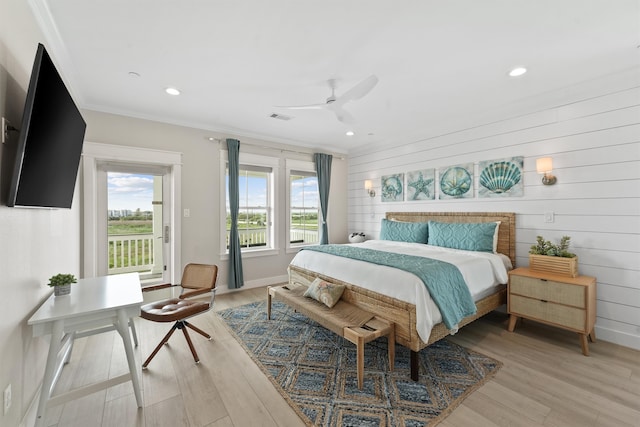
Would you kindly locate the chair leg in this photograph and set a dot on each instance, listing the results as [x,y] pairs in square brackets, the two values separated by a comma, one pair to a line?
[198,330]
[188,338]
[164,340]
[180,324]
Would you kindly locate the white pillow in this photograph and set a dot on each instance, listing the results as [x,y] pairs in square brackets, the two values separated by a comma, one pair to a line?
[495,237]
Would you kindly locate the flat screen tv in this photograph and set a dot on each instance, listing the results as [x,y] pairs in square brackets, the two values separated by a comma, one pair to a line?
[50,142]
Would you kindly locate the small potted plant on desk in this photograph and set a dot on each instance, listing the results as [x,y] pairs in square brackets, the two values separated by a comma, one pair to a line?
[61,283]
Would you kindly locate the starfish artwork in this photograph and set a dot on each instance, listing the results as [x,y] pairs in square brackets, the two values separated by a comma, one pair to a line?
[421,186]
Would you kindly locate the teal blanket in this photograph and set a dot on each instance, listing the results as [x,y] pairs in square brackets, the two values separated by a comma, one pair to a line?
[443,280]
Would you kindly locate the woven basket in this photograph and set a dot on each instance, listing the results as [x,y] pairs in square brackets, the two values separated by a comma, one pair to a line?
[554,264]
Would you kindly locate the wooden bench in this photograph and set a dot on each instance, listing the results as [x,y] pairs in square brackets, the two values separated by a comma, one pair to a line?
[346,320]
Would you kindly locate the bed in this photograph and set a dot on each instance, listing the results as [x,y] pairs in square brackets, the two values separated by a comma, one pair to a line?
[402,312]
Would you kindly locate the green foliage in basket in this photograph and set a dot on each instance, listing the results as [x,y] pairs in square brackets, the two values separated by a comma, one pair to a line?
[62,279]
[545,247]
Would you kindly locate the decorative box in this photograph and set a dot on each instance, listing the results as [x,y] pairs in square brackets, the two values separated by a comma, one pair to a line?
[554,264]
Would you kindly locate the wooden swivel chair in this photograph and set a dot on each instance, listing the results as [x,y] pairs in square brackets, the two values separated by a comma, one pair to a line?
[197,279]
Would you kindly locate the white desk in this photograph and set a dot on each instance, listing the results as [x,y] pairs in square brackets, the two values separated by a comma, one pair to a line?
[95,305]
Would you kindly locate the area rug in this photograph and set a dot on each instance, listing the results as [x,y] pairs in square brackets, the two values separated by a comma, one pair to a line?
[315,370]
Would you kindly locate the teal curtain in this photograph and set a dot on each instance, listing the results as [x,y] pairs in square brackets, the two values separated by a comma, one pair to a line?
[235,253]
[323,171]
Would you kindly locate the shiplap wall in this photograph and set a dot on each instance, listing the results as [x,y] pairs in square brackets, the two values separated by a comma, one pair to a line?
[593,136]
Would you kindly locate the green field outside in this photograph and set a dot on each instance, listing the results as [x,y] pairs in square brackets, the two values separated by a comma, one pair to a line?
[306,222]
[119,227]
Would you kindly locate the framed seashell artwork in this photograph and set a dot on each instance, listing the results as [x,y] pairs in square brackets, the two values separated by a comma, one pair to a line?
[392,188]
[456,182]
[501,178]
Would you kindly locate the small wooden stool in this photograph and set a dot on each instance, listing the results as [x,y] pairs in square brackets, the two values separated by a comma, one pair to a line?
[374,328]
[336,321]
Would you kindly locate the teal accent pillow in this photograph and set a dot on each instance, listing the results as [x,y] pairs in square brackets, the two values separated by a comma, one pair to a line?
[467,236]
[324,292]
[414,232]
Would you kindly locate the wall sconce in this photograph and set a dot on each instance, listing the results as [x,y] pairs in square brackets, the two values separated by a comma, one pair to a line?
[544,166]
[368,186]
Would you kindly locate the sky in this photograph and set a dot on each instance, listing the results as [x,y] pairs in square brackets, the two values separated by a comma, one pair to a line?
[132,191]
[129,191]
[304,192]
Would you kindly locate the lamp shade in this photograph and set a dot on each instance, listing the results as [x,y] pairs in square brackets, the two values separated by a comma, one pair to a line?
[368,185]
[544,165]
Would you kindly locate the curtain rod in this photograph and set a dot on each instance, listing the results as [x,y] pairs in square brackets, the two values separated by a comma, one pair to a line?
[220,141]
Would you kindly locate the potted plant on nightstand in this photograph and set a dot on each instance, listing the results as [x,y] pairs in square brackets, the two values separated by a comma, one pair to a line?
[548,257]
[61,283]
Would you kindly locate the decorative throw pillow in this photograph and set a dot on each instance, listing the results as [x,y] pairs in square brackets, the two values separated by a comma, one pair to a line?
[467,236]
[414,232]
[324,292]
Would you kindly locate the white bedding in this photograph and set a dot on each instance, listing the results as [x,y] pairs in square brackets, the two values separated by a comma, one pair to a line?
[482,271]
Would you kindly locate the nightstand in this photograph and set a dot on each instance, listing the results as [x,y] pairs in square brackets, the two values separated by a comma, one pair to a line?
[562,301]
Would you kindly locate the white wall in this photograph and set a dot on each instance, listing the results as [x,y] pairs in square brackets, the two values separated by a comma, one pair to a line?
[593,140]
[201,189]
[35,244]
[592,132]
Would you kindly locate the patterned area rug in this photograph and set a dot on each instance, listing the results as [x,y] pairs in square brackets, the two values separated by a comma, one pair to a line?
[315,370]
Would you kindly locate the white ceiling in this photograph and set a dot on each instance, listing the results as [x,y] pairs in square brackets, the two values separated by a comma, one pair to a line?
[436,61]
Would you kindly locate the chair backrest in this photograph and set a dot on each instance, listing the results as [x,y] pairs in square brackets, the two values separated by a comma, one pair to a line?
[199,276]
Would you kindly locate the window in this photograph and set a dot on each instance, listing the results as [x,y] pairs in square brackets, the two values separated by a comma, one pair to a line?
[256,200]
[304,204]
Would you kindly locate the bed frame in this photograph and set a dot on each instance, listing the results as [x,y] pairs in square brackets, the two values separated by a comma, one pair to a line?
[403,314]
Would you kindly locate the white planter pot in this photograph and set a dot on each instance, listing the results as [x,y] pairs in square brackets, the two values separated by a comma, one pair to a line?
[356,239]
[62,290]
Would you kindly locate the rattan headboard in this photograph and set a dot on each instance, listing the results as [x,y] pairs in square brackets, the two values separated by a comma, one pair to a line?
[506,232]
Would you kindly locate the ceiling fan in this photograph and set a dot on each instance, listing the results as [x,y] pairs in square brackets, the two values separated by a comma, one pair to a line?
[335,103]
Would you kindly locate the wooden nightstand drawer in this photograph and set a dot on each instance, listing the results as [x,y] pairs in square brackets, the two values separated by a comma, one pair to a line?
[568,317]
[548,290]
[566,302]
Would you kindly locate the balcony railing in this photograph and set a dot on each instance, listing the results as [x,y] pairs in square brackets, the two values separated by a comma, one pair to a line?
[258,237]
[131,253]
[134,252]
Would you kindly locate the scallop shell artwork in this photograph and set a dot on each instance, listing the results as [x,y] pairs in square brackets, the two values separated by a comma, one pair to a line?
[501,178]
[456,182]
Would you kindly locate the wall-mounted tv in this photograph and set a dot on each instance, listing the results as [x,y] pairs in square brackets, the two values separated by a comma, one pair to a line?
[50,142]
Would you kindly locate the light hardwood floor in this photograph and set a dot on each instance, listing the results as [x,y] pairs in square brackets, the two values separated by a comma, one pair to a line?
[545,380]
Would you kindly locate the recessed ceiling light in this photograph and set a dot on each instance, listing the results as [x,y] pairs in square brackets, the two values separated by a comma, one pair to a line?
[350,133]
[133,74]
[517,71]
[172,91]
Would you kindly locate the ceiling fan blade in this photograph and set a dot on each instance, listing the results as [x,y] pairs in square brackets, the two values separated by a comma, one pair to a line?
[335,105]
[302,107]
[343,115]
[359,90]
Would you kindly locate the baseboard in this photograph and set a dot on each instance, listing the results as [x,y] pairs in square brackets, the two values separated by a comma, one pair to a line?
[617,337]
[605,334]
[254,284]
